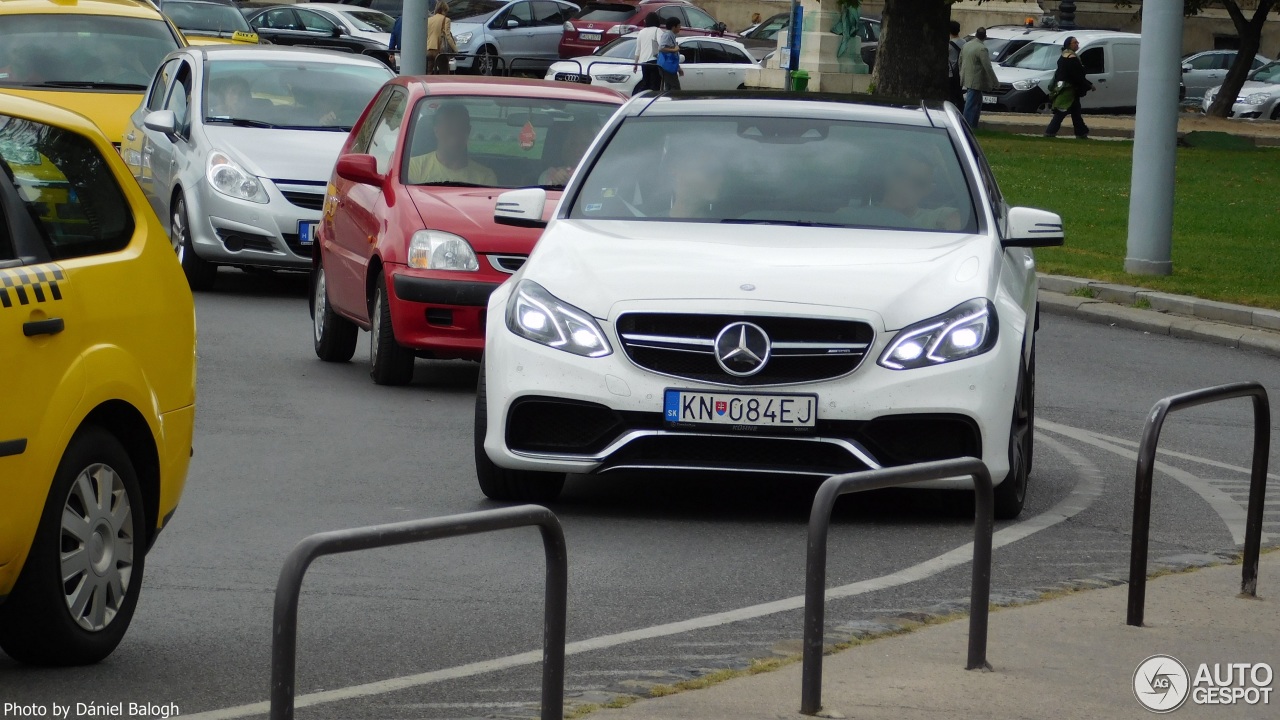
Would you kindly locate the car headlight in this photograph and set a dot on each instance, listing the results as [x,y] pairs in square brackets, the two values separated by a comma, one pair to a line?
[462,38]
[614,78]
[227,177]
[1024,84]
[1256,98]
[968,329]
[434,250]
[537,315]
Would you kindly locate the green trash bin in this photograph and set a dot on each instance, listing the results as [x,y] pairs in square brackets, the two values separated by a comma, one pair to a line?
[800,80]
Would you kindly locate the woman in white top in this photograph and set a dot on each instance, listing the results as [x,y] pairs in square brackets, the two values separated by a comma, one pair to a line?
[647,54]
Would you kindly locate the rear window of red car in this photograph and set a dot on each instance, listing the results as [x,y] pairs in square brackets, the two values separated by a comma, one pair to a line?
[611,12]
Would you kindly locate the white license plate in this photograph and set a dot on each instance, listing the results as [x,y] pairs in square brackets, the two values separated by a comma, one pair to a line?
[306,232]
[591,37]
[740,409]
[988,99]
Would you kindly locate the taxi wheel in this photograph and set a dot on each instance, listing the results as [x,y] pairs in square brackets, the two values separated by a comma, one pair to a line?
[334,335]
[1011,495]
[392,364]
[500,483]
[79,587]
[200,273]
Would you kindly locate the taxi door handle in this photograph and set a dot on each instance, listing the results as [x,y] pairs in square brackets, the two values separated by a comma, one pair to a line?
[52,326]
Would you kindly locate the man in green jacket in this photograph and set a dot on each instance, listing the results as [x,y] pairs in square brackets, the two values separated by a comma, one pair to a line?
[976,74]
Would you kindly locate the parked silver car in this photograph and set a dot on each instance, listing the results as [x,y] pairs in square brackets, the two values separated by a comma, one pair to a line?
[1259,97]
[235,146]
[524,34]
[1204,70]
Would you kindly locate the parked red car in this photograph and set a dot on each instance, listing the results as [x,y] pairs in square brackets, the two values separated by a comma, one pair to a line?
[599,23]
[407,244]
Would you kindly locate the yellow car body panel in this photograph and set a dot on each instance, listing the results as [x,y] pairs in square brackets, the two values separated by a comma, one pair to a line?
[238,37]
[127,346]
[110,109]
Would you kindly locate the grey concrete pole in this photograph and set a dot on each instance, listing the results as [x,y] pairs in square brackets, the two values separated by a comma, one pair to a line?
[413,38]
[1155,141]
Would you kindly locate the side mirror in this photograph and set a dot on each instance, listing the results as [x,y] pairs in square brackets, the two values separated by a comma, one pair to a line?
[161,121]
[1186,69]
[337,31]
[362,169]
[513,24]
[521,208]
[1032,228]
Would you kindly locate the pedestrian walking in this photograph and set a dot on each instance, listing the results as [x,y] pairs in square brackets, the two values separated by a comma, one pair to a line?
[646,57]
[954,46]
[439,37]
[1069,84]
[976,75]
[669,56]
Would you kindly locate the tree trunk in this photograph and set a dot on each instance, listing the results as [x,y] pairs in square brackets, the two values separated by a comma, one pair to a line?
[911,61]
[1250,32]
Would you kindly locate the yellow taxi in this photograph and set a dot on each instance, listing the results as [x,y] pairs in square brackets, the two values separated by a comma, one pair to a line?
[95,57]
[204,22]
[97,365]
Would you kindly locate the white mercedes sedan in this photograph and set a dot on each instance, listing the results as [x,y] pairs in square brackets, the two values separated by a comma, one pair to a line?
[785,285]
[709,63]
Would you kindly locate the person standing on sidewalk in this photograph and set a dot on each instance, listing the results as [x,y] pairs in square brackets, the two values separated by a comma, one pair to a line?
[1069,84]
[976,74]
[646,58]
[439,37]
[954,46]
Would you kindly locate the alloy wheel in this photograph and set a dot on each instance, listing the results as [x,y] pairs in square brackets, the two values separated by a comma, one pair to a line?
[320,306]
[97,547]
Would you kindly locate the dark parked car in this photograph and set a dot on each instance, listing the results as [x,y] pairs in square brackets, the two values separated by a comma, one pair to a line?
[300,26]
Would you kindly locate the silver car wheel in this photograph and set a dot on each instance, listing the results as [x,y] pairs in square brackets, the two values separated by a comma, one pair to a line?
[96,555]
[320,306]
[178,230]
[375,329]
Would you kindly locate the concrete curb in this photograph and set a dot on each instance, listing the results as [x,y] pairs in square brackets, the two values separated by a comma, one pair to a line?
[1179,316]
[1022,124]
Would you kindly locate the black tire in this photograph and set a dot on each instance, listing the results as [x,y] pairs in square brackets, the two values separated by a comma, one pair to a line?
[1011,495]
[37,624]
[334,336]
[484,63]
[389,363]
[500,483]
[200,273]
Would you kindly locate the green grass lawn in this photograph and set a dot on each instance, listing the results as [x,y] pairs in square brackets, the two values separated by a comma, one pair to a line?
[1226,227]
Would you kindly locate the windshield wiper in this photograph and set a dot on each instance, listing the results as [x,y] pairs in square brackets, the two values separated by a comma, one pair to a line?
[452,183]
[796,223]
[552,187]
[88,84]
[240,122]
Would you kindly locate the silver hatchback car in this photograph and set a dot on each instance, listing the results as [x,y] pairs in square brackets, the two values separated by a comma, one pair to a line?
[235,146]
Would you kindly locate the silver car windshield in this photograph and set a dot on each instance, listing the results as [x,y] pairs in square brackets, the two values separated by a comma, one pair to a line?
[786,171]
[478,141]
[1036,56]
[89,52]
[289,93]
[1267,73]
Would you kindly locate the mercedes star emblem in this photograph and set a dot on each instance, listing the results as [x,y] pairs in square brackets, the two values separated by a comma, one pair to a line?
[742,349]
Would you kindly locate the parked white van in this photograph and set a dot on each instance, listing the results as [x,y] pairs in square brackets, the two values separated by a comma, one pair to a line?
[1110,60]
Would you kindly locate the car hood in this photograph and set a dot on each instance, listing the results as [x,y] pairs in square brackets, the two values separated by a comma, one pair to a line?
[466,27]
[468,212]
[903,277]
[1006,74]
[280,154]
[383,39]
[1253,86]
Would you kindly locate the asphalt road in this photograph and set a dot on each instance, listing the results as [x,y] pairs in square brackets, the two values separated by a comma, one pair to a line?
[287,446]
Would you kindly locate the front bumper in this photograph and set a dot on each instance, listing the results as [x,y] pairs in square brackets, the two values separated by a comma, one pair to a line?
[228,231]
[549,410]
[437,313]
[1018,101]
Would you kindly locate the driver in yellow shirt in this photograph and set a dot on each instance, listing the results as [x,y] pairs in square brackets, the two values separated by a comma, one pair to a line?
[450,161]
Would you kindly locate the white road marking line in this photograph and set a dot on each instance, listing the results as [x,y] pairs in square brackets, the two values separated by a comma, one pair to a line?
[1231,512]
[1087,489]
[1172,453]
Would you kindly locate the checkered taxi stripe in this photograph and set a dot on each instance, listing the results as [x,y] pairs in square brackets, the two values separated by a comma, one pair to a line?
[28,285]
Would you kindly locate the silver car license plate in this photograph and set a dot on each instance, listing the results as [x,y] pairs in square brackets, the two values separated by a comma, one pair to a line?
[685,407]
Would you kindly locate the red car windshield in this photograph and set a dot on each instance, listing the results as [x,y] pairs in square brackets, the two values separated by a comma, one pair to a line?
[479,141]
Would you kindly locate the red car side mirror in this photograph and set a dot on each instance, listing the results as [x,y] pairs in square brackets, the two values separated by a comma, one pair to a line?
[362,169]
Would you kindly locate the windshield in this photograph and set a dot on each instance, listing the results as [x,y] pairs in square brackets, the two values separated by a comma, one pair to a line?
[624,47]
[1036,56]
[206,18]
[293,94]
[769,29]
[370,20]
[786,171]
[500,142]
[617,12]
[82,51]
[472,8]
[1268,73]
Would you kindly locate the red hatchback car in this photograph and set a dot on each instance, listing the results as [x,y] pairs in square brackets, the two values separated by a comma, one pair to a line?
[599,23]
[407,246]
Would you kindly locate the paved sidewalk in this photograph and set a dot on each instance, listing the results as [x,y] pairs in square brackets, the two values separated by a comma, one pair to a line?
[1068,658]
[1262,133]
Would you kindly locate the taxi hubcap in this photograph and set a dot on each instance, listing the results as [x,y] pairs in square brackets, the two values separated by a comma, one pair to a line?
[96,549]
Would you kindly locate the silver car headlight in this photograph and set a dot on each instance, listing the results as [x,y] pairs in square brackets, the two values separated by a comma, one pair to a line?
[227,177]
[1256,98]
[1024,84]
[463,38]
[968,329]
[435,250]
[537,315]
